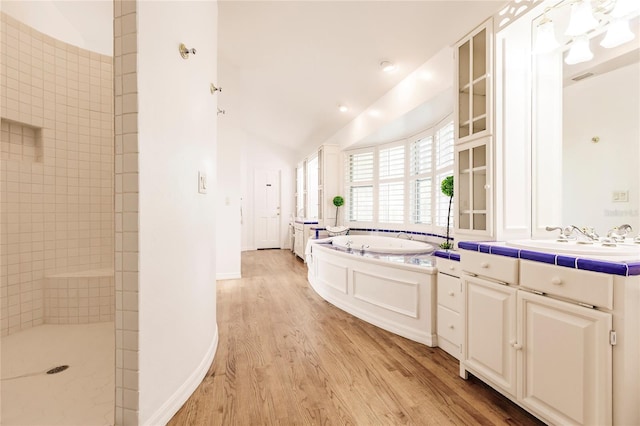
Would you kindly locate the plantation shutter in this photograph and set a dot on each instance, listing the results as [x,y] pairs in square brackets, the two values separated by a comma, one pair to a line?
[391,184]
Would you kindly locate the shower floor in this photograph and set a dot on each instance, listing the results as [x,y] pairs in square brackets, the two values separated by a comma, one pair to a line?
[81,395]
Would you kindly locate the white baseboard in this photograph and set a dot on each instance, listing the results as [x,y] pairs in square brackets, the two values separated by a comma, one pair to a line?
[228,276]
[180,396]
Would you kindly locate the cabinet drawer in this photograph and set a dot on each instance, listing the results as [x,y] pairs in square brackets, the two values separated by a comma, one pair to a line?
[587,287]
[449,267]
[499,268]
[449,294]
[449,325]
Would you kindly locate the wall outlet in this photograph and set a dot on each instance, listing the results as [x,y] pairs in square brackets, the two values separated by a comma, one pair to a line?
[620,196]
[202,182]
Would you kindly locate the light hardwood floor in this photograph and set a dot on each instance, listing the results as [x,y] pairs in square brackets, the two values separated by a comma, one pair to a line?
[285,356]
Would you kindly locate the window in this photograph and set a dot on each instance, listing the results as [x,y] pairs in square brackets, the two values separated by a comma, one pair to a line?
[360,186]
[421,180]
[399,183]
[444,168]
[391,184]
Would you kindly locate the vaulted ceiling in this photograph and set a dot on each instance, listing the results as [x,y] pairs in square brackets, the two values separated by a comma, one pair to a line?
[285,66]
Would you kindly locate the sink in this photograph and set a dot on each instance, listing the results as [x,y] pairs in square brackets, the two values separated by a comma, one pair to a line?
[577,248]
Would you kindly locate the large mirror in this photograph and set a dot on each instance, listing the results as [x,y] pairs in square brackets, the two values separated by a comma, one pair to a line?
[586,138]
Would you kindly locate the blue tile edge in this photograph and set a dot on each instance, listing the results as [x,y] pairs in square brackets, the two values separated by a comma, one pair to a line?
[624,269]
[447,254]
[317,230]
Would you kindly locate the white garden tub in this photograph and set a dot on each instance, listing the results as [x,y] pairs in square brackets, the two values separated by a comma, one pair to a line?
[377,244]
[394,292]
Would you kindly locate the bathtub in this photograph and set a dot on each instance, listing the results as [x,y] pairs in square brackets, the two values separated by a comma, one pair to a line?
[394,291]
[377,244]
[81,297]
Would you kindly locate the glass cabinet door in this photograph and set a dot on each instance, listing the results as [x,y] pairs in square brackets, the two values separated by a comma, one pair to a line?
[473,58]
[473,187]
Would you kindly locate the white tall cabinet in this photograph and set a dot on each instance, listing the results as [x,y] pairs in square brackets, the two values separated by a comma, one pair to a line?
[473,117]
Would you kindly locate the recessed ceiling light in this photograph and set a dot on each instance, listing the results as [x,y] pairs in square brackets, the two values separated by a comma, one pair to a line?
[343,108]
[387,66]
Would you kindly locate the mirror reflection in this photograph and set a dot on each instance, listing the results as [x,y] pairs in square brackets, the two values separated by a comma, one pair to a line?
[599,171]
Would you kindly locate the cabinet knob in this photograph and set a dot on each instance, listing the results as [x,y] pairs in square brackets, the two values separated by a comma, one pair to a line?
[452,267]
[451,293]
[484,265]
[556,281]
[515,345]
[452,326]
[487,187]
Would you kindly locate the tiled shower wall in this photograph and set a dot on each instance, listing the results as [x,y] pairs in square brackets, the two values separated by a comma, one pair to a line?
[56,200]
[125,53]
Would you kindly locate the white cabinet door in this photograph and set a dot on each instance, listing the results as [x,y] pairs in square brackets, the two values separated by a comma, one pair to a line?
[565,361]
[489,324]
[298,244]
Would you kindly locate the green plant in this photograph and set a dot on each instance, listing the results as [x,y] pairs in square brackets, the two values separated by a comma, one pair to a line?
[446,186]
[337,201]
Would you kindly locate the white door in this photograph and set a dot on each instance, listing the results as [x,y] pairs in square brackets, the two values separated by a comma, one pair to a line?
[266,190]
[490,331]
[566,361]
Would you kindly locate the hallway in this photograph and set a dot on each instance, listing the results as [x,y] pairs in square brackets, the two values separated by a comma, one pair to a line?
[286,356]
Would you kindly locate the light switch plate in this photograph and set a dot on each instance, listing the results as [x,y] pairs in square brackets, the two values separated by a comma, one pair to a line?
[620,196]
[202,182]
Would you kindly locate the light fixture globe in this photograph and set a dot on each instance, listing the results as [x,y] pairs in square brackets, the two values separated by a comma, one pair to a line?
[581,20]
[545,37]
[579,52]
[617,34]
[343,108]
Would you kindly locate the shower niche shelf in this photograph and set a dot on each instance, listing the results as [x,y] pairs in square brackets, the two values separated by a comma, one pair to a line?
[21,141]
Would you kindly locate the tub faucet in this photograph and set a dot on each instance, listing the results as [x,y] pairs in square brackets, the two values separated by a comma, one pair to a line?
[409,237]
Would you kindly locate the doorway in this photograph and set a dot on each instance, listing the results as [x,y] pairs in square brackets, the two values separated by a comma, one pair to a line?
[266,190]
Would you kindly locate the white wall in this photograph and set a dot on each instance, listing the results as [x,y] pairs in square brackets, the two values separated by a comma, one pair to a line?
[86,24]
[229,193]
[177,137]
[606,106]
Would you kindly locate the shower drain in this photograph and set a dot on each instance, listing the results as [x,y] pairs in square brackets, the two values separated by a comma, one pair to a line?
[58,369]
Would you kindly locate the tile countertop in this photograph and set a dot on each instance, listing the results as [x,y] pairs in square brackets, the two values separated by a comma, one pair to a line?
[603,264]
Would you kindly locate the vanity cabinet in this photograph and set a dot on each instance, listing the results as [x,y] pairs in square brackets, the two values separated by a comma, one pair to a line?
[449,295]
[530,332]
[564,360]
[489,331]
[473,57]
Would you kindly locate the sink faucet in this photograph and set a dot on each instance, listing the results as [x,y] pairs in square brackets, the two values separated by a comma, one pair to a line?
[409,237]
[587,231]
[567,232]
[363,248]
[618,233]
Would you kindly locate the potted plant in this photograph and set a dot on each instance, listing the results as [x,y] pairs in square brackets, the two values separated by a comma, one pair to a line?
[447,189]
[337,201]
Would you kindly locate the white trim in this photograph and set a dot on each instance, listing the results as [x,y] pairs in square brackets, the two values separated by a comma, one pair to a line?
[180,396]
[228,276]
